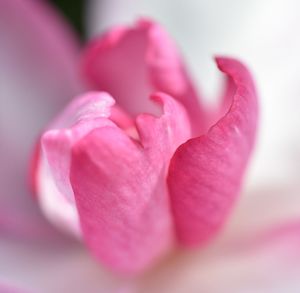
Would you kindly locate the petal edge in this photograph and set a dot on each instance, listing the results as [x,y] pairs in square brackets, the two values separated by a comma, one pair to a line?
[206,172]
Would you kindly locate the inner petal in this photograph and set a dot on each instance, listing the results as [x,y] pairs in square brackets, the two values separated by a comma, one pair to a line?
[132,63]
[121,70]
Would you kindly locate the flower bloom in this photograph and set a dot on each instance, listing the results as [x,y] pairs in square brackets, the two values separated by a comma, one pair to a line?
[135,176]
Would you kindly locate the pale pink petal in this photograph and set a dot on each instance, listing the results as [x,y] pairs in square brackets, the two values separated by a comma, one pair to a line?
[52,267]
[132,63]
[10,289]
[120,188]
[55,193]
[38,74]
[205,173]
[269,264]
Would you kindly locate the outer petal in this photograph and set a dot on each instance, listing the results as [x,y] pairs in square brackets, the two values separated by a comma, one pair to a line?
[9,289]
[38,57]
[55,193]
[120,188]
[270,265]
[51,267]
[205,173]
[132,63]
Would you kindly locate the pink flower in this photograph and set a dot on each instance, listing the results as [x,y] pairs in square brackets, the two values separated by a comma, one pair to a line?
[133,185]
[39,74]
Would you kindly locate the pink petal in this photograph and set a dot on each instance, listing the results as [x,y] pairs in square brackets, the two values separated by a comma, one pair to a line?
[205,173]
[120,188]
[38,57]
[132,63]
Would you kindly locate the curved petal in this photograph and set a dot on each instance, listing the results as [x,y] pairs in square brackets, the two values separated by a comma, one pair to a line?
[120,188]
[54,190]
[38,73]
[132,63]
[205,173]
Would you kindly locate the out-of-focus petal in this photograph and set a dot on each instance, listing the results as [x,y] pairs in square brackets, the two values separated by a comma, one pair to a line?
[9,289]
[269,264]
[38,74]
[120,188]
[53,267]
[205,173]
[132,63]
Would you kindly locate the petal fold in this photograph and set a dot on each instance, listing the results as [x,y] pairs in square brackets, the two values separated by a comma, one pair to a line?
[206,172]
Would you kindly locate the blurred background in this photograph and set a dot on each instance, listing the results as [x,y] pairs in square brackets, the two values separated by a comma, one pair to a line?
[265,35]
